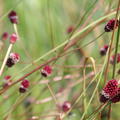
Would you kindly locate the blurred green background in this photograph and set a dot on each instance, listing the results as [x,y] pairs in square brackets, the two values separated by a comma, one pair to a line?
[43,26]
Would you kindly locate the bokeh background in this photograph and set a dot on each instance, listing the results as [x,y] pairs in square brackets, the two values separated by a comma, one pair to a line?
[43,25]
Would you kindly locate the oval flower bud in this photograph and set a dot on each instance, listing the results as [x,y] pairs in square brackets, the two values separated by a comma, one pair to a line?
[13,17]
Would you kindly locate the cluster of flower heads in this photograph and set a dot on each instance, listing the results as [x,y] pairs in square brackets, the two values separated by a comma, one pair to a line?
[12,38]
[13,57]
[14,20]
[103,52]
[108,28]
[111,92]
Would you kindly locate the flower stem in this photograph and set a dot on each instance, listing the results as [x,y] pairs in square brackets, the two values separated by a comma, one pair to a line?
[116,51]
[5,59]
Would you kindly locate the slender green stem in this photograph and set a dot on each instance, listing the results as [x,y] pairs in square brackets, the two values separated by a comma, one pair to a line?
[116,51]
[5,59]
[103,107]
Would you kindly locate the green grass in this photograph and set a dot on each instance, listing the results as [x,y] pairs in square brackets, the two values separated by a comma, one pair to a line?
[42,29]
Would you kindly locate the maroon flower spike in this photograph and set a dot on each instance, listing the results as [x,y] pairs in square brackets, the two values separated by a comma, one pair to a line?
[13,17]
[13,59]
[109,91]
[5,36]
[66,106]
[70,29]
[103,50]
[22,89]
[110,25]
[13,38]
[25,83]
[47,70]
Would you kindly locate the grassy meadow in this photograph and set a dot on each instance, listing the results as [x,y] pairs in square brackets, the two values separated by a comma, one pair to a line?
[66,35]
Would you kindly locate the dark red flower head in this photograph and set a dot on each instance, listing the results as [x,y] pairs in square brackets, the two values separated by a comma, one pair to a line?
[25,83]
[70,29]
[110,25]
[112,59]
[47,70]
[13,59]
[13,17]
[109,91]
[7,77]
[103,50]
[5,36]
[22,89]
[66,106]
[116,98]
[13,38]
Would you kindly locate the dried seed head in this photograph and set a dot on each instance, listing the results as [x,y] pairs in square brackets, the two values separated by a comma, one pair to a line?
[103,50]
[110,25]
[22,89]
[47,70]
[13,17]
[66,106]
[13,59]
[5,36]
[25,83]
[13,38]
[109,91]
